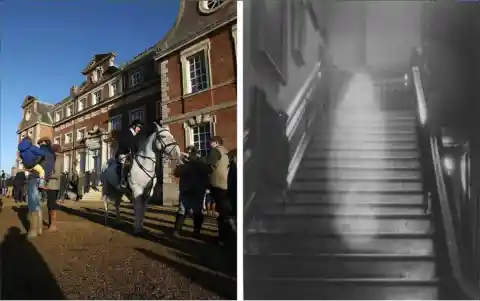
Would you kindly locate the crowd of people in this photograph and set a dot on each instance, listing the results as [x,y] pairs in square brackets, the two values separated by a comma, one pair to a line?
[208,184]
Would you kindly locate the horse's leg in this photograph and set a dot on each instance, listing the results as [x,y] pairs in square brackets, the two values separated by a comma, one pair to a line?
[117,207]
[105,207]
[143,209]
[137,209]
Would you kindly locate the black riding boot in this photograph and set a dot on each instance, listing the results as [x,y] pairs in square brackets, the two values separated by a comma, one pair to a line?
[179,220]
[123,178]
[197,223]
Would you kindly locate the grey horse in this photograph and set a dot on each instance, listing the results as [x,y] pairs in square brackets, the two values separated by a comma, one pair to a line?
[142,177]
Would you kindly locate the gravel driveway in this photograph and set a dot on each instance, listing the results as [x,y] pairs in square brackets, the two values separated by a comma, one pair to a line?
[87,260]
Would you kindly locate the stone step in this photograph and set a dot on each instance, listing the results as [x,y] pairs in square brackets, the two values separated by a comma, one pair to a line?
[373,131]
[360,155]
[369,164]
[355,198]
[369,243]
[354,138]
[356,186]
[337,266]
[377,146]
[342,223]
[355,174]
[346,289]
[335,208]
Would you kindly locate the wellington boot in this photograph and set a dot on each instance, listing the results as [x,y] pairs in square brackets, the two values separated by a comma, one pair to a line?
[52,226]
[33,231]
[40,222]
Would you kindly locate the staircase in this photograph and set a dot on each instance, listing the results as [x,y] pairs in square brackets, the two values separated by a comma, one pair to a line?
[355,224]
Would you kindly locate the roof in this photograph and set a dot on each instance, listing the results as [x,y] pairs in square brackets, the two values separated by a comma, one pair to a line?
[43,115]
[191,22]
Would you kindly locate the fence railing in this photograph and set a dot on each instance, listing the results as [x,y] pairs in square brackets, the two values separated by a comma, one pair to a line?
[460,213]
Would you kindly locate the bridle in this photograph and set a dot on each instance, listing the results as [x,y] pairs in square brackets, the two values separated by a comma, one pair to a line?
[164,151]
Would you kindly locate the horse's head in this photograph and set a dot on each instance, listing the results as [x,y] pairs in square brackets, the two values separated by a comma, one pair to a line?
[166,144]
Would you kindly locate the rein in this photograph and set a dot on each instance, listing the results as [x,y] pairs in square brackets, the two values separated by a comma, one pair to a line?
[164,153]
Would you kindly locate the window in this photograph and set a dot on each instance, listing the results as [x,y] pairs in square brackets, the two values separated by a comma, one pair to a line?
[80,134]
[137,114]
[30,133]
[136,78]
[201,134]
[56,140]
[210,6]
[28,115]
[68,138]
[58,116]
[114,88]
[81,104]
[67,160]
[97,97]
[23,136]
[195,68]
[115,123]
[69,110]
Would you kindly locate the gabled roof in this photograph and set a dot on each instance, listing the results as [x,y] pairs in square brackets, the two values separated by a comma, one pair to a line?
[97,59]
[191,22]
[42,114]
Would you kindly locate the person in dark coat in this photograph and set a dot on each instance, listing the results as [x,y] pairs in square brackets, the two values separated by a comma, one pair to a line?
[193,184]
[127,143]
[48,163]
[19,186]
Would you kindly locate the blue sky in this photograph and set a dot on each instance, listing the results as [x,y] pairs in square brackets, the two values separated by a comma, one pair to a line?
[46,44]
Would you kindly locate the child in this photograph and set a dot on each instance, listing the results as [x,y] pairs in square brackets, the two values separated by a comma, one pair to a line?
[31,156]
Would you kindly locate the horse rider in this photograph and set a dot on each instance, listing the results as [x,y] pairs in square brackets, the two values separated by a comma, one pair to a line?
[126,145]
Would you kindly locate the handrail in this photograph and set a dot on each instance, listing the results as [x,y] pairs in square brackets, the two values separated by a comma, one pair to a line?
[296,108]
[472,291]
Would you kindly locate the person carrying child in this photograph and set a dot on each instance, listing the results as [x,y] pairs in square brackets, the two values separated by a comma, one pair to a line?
[32,156]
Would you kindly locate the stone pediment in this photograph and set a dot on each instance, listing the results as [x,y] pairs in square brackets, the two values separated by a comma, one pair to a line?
[96,60]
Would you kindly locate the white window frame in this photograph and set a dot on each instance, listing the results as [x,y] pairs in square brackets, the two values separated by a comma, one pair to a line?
[84,100]
[112,92]
[30,133]
[58,116]
[185,54]
[234,36]
[68,112]
[65,137]
[94,96]
[111,121]
[84,129]
[67,158]
[191,123]
[132,76]
[57,138]
[23,135]
[130,114]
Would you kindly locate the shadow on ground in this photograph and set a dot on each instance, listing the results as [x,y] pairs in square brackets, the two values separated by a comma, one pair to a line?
[25,275]
[223,286]
[200,253]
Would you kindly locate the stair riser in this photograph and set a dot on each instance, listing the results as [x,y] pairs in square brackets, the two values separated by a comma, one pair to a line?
[352,186]
[359,155]
[265,243]
[294,209]
[354,138]
[320,225]
[311,267]
[297,290]
[345,174]
[365,164]
[355,198]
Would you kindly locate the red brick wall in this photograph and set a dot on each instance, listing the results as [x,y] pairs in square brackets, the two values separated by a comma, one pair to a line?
[223,89]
